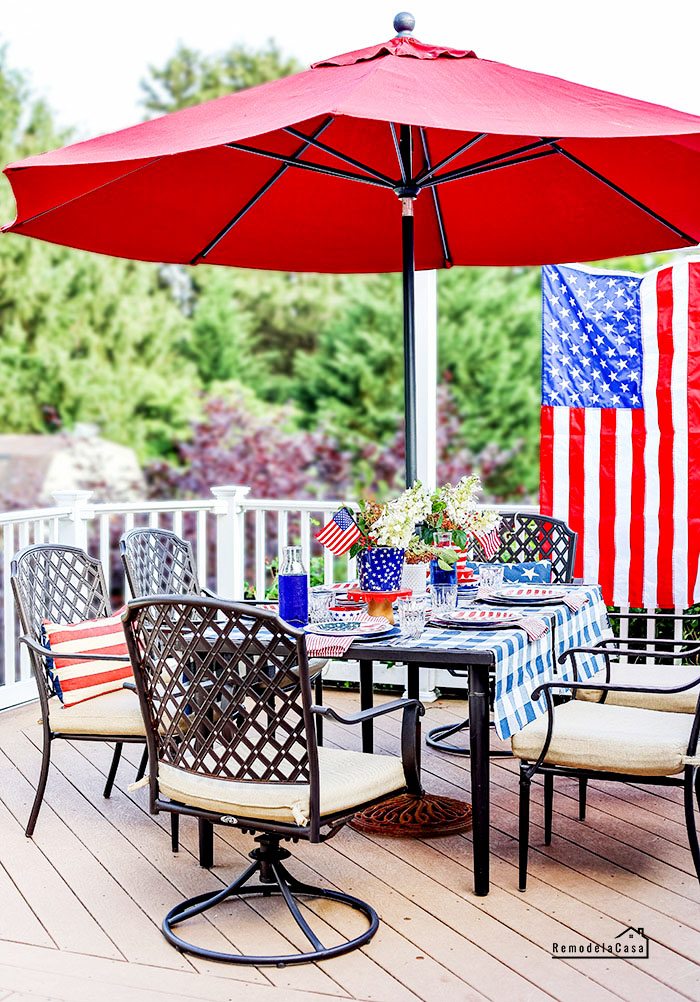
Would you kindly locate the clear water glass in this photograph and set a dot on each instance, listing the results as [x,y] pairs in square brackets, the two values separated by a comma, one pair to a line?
[444,599]
[491,576]
[319,604]
[413,612]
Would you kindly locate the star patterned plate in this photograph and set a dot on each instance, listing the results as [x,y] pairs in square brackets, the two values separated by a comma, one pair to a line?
[352,627]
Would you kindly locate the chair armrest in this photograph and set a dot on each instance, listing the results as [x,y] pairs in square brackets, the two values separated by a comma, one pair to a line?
[610,687]
[602,647]
[646,641]
[370,714]
[208,593]
[46,652]
[129,685]
[413,710]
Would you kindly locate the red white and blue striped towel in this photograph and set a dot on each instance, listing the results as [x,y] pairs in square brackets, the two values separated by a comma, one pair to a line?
[319,645]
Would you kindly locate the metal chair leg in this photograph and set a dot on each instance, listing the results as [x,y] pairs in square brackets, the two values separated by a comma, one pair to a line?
[548,805]
[523,828]
[41,785]
[175,831]
[435,738]
[206,844]
[112,770]
[142,765]
[582,788]
[689,796]
[318,697]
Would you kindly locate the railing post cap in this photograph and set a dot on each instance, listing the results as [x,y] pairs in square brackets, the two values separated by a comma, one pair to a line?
[230,491]
[65,499]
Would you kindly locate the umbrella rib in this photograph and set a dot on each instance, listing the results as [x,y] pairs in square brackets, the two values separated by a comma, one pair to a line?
[82,194]
[428,171]
[259,194]
[473,171]
[398,152]
[305,165]
[311,140]
[436,201]
[498,160]
[621,191]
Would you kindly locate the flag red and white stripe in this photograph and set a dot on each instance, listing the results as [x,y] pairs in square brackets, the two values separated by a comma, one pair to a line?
[627,479]
[80,679]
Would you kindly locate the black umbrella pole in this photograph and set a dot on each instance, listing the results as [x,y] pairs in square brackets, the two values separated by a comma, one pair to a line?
[409,339]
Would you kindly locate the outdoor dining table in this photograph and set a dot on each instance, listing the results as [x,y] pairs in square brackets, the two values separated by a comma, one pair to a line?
[519,665]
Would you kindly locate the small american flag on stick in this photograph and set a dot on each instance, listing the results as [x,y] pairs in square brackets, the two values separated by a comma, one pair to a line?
[490,543]
[340,533]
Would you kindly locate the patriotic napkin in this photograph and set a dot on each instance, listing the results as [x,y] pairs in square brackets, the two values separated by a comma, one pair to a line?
[319,645]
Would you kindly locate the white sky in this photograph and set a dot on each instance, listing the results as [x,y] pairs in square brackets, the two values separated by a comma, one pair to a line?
[87,58]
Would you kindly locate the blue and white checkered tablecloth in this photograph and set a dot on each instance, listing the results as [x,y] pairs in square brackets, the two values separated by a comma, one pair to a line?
[522,664]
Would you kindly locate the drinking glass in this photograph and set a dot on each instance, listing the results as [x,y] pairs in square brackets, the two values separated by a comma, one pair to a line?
[319,604]
[412,615]
[444,599]
[491,576]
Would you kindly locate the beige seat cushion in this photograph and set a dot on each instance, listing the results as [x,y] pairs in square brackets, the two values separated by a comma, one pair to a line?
[655,674]
[115,713]
[612,738]
[347,778]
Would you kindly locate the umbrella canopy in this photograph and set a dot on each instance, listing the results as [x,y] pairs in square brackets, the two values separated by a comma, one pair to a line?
[500,166]
[589,165]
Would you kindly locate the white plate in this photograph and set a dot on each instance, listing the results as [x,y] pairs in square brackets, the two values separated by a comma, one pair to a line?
[479,617]
[525,594]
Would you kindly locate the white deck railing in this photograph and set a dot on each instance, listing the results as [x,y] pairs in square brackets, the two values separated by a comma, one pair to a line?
[234,538]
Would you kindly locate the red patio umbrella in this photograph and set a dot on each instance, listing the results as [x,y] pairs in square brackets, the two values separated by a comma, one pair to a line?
[496,166]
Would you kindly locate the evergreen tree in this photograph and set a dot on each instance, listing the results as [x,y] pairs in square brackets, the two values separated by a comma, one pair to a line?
[83,337]
[190,77]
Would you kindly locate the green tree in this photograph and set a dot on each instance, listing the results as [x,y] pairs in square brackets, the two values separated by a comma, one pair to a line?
[85,337]
[190,77]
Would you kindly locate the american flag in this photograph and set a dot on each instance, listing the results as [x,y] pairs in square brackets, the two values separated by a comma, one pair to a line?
[340,533]
[620,442]
[490,543]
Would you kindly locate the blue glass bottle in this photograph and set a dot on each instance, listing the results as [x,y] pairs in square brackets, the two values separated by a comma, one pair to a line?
[293,588]
[437,575]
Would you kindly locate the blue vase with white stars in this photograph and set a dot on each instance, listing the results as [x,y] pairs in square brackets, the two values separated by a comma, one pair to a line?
[379,569]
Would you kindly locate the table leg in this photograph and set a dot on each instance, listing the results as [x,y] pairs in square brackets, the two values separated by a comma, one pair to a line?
[366,702]
[412,682]
[479,744]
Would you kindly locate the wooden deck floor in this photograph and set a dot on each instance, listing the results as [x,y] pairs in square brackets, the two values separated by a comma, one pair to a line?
[81,904]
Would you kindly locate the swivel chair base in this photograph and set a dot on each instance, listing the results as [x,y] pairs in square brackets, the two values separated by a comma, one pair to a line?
[274,879]
[435,738]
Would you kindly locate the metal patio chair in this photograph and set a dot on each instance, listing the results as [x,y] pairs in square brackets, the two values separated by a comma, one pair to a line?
[637,663]
[159,562]
[524,537]
[609,741]
[197,661]
[62,584]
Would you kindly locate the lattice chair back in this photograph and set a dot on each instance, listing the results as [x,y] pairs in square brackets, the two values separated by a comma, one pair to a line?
[214,682]
[535,537]
[61,584]
[158,562]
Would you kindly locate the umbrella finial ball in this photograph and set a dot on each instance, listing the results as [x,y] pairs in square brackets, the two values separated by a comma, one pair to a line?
[404,23]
